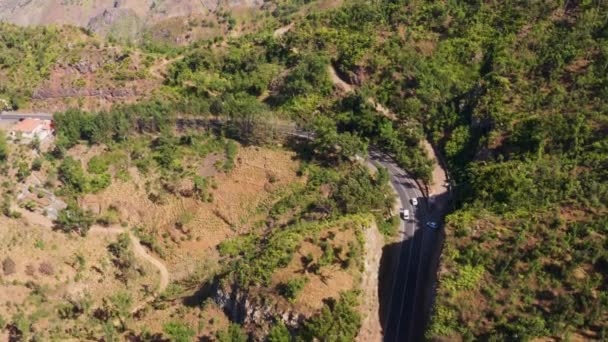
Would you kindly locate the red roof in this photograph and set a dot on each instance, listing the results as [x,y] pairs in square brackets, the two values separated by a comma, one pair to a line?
[29,125]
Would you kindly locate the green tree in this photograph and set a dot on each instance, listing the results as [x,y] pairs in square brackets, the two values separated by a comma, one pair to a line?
[74,219]
[72,175]
[124,258]
[338,321]
[359,191]
[279,333]
[234,333]
[309,76]
[23,326]
[3,147]
[179,332]
[331,146]
[117,307]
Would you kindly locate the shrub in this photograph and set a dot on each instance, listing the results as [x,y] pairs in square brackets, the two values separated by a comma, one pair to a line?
[234,334]
[23,171]
[293,287]
[99,182]
[179,332]
[98,165]
[231,151]
[46,268]
[30,205]
[8,266]
[37,164]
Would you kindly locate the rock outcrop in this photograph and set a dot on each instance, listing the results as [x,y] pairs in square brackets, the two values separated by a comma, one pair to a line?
[102,14]
[249,309]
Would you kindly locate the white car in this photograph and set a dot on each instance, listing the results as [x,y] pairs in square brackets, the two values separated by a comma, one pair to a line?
[432,224]
[414,201]
[405,214]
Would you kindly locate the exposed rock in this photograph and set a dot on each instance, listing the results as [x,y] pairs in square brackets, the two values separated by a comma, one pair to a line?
[122,22]
[241,307]
[54,93]
[85,67]
[101,14]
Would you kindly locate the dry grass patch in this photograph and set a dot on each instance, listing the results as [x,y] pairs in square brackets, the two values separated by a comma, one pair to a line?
[52,268]
[325,277]
[198,227]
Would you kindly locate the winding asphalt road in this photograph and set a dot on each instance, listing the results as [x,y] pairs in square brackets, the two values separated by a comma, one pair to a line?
[406,308]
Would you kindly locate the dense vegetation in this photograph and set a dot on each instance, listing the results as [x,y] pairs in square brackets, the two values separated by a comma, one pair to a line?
[512,93]
[26,58]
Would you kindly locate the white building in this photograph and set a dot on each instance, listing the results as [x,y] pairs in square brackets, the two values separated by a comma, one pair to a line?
[30,128]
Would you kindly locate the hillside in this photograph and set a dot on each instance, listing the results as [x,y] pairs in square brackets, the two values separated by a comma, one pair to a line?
[48,69]
[263,231]
[120,17]
[513,97]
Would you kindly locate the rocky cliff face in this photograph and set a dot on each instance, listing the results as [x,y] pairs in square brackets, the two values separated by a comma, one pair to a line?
[97,79]
[250,309]
[99,15]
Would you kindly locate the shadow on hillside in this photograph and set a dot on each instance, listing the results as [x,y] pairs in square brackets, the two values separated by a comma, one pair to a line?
[408,274]
[206,290]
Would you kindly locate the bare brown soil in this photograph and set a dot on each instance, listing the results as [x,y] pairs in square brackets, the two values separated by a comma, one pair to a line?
[76,13]
[328,283]
[439,179]
[30,246]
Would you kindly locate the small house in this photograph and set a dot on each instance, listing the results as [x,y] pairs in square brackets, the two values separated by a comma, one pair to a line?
[31,128]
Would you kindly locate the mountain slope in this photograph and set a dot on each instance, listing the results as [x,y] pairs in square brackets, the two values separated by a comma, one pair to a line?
[104,15]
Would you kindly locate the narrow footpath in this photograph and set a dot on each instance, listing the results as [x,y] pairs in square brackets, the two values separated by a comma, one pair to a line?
[138,249]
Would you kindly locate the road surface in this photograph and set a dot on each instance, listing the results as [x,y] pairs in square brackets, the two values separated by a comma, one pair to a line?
[21,116]
[402,318]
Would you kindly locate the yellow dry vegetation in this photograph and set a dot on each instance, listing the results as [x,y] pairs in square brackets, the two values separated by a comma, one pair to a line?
[258,173]
[79,268]
[329,281]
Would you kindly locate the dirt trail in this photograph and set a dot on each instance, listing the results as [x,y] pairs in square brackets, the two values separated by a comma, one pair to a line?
[282,30]
[371,328]
[440,178]
[338,82]
[138,249]
[139,252]
[158,70]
